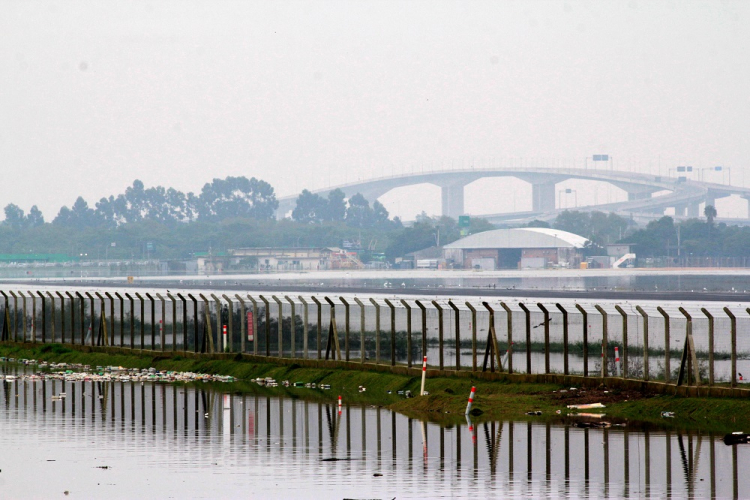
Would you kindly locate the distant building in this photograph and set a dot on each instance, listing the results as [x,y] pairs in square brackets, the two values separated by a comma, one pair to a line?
[520,248]
[278,259]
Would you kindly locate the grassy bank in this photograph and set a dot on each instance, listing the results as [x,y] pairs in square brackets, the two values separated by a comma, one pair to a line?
[447,397]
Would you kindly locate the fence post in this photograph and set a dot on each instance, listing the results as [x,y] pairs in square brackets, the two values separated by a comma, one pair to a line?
[122,320]
[143,320]
[24,320]
[72,319]
[82,302]
[33,317]
[408,332]
[184,322]
[546,336]
[733,340]
[320,324]
[458,334]
[197,347]
[393,331]
[644,315]
[491,343]
[333,333]
[305,353]
[219,323]
[230,324]
[153,321]
[111,339]
[243,322]
[207,344]
[377,330]
[346,327]
[268,324]
[15,315]
[132,320]
[440,331]
[280,325]
[565,337]
[424,327]
[624,341]
[361,329]
[102,320]
[162,335]
[528,335]
[605,339]
[473,336]
[711,344]
[585,317]
[509,314]
[667,354]
[6,318]
[688,353]
[174,321]
[93,318]
[293,322]
[255,325]
[52,317]
[44,316]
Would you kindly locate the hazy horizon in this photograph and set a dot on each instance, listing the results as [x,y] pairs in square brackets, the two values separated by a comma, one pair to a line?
[312,94]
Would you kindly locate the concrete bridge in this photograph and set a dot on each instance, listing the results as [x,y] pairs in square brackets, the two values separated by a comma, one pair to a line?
[684,196]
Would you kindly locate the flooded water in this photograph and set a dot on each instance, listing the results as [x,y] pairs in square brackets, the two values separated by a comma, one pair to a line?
[134,440]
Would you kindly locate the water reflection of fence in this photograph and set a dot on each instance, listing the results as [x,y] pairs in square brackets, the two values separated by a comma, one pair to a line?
[680,346]
[563,459]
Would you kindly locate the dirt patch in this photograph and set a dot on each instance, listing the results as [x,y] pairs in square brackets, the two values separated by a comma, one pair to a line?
[598,395]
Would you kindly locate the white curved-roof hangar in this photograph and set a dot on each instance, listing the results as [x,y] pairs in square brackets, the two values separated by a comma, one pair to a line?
[525,237]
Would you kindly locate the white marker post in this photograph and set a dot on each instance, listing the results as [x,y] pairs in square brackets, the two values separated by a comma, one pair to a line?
[224,331]
[424,374]
[471,400]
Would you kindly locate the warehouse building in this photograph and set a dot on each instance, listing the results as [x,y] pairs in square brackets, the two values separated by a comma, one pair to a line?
[520,248]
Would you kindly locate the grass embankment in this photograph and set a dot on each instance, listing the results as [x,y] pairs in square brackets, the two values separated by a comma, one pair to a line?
[447,397]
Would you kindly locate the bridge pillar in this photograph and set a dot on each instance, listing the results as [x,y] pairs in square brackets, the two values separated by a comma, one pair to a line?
[543,196]
[679,210]
[693,210]
[453,200]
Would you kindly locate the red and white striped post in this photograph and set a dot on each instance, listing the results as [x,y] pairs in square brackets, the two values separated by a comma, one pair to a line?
[224,331]
[471,399]
[424,374]
[339,404]
[617,360]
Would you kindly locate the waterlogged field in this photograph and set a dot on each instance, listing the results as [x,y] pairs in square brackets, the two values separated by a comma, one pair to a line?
[138,439]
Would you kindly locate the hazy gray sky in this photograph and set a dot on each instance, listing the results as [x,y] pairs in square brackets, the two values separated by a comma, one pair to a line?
[96,94]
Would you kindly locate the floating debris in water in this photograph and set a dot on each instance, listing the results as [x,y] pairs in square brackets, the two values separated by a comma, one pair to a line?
[83,373]
[667,414]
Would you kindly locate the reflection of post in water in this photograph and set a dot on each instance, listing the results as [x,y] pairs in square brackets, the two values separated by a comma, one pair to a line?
[668,457]
[442,448]
[307,428]
[712,457]
[348,433]
[281,419]
[364,432]
[567,459]
[586,459]
[294,419]
[424,443]
[409,424]
[333,428]
[548,457]
[493,443]
[320,429]
[626,459]
[647,458]
[605,444]
[735,486]
[379,440]
[529,465]
[393,436]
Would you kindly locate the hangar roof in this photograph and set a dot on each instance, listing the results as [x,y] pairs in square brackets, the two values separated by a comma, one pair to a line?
[525,237]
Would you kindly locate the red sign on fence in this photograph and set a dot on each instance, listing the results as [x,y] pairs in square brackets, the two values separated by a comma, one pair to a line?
[250,327]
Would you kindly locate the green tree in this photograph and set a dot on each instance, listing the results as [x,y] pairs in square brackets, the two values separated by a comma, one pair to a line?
[311,208]
[359,213]
[35,217]
[336,208]
[14,216]
[237,197]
